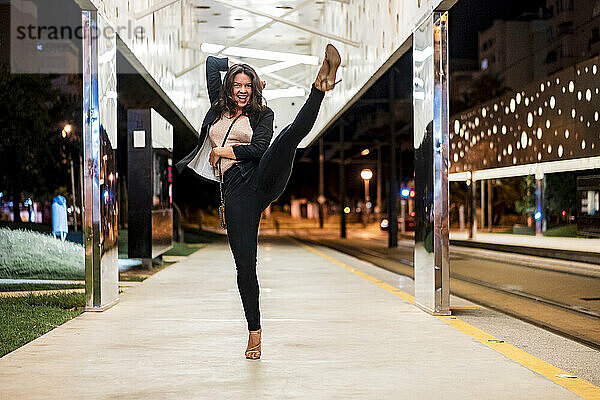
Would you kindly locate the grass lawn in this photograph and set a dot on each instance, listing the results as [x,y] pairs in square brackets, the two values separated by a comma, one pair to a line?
[122,241]
[32,255]
[138,274]
[26,318]
[181,249]
[24,287]
[563,231]
[193,235]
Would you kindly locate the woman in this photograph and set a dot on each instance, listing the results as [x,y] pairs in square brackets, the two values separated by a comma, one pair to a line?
[234,146]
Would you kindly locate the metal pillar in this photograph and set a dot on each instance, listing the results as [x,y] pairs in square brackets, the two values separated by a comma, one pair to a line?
[99,157]
[489,204]
[342,184]
[539,192]
[73,194]
[149,156]
[321,198]
[393,200]
[430,97]
[379,179]
[473,210]
[482,202]
[81,194]
[403,215]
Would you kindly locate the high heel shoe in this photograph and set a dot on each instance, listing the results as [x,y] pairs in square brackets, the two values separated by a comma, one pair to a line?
[326,77]
[254,352]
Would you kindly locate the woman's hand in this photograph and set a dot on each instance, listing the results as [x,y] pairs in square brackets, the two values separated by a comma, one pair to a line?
[218,152]
[214,156]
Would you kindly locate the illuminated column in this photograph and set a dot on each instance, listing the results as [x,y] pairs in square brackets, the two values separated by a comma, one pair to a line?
[430,97]
[539,210]
[473,208]
[403,215]
[379,181]
[321,198]
[393,199]
[482,202]
[149,160]
[99,158]
[366,175]
[489,204]
[342,184]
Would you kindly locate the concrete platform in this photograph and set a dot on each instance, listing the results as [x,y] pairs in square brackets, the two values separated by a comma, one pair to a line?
[332,329]
[544,242]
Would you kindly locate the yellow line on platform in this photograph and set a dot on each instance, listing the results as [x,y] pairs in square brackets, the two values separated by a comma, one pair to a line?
[576,385]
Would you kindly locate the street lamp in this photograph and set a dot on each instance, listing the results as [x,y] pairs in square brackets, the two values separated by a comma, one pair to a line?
[67,129]
[366,174]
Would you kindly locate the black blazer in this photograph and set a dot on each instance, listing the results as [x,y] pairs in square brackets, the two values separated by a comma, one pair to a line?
[261,123]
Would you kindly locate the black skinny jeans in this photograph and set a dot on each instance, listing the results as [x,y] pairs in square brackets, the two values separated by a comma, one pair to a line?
[246,199]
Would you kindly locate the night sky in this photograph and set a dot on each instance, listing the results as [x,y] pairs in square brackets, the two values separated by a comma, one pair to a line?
[468,17]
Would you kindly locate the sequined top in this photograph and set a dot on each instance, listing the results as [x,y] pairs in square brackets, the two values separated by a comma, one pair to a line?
[241,133]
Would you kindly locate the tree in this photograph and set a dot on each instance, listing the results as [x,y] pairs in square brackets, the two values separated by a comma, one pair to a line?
[30,158]
[485,88]
[560,193]
[481,90]
[528,201]
[508,191]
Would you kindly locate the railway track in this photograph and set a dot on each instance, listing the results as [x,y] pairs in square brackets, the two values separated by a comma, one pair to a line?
[553,300]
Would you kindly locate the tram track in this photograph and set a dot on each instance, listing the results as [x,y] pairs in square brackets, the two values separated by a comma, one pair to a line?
[550,302]
[551,310]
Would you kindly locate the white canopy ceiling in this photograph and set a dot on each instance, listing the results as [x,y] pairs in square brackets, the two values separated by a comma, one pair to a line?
[285,40]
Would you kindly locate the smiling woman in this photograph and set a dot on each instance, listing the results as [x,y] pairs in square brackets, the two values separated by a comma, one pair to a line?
[253,171]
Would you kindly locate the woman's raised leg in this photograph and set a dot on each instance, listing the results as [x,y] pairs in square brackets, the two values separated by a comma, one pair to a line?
[278,158]
[275,166]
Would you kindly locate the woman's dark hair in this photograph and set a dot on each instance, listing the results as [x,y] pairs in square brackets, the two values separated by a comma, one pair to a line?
[226,104]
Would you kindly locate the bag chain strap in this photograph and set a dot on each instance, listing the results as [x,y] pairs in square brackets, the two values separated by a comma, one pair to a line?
[220,173]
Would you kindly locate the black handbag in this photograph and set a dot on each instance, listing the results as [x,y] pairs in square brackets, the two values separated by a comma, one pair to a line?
[222,206]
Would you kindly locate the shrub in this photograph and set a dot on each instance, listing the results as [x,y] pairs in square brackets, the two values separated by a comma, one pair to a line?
[32,255]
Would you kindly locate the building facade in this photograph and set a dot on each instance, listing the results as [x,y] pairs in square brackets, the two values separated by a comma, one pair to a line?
[508,50]
[573,29]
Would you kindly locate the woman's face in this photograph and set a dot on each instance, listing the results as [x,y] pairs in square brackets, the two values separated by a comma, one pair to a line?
[242,89]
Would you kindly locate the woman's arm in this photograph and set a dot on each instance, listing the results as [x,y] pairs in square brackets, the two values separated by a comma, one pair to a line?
[261,138]
[220,152]
[214,66]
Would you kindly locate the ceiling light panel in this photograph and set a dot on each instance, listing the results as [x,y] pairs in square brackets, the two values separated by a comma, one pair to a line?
[271,55]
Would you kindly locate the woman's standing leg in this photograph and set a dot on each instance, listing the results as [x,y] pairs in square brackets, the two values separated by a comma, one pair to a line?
[242,213]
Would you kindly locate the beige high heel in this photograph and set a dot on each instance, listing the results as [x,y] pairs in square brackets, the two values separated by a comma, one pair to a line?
[254,352]
[326,77]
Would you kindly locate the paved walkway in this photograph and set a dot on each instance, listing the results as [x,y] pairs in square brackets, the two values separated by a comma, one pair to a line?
[331,331]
